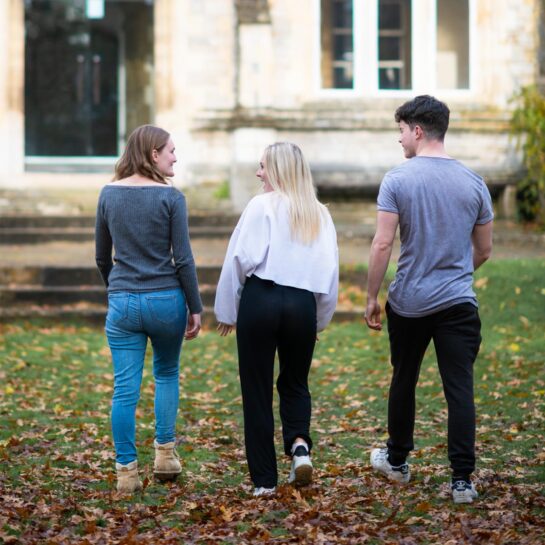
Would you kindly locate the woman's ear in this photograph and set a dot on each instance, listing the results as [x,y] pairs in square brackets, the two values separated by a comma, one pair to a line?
[154,155]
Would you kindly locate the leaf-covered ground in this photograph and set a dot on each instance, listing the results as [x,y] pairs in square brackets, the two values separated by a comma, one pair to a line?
[56,457]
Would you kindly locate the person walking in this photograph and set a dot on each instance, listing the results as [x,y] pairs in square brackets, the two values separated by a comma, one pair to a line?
[151,283]
[444,213]
[279,285]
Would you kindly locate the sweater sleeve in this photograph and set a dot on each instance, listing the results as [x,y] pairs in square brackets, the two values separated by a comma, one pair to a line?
[103,243]
[326,303]
[247,248]
[182,254]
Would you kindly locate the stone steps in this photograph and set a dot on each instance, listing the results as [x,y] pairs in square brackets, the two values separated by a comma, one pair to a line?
[89,276]
[78,276]
[68,293]
[60,295]
[74,221]
[36,235]
[41,229]
[29,230]
[97,314]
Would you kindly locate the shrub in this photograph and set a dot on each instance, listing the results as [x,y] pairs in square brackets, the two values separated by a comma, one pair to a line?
[528,123]
[223,191]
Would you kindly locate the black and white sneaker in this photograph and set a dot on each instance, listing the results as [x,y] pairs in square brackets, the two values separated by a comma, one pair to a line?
[463,491]
[263,491]
[380,462]
[301,467]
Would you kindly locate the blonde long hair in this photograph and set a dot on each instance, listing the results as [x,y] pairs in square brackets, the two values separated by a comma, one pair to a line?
[138,155]
[289,173]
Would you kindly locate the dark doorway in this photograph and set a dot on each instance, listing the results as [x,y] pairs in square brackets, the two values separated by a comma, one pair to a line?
[75,103]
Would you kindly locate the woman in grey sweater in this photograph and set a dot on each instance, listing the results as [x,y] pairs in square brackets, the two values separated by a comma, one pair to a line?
[151,283]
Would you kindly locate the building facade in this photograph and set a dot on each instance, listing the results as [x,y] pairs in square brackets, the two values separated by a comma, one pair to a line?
[228,77]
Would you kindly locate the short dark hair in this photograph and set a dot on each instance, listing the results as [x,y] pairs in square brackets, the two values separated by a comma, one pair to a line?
[430,114]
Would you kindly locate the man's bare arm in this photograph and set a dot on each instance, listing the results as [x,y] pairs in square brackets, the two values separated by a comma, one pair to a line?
[482,243]
[379,257]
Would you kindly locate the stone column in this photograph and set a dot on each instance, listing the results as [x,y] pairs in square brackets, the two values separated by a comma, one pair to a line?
[12,72]
[255,72]
[163,57]
[248,145]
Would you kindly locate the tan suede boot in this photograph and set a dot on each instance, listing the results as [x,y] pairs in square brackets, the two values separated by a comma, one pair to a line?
[127,478]
[167,464]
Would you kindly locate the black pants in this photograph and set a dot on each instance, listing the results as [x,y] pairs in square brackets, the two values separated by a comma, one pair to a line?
[272,317]
[456,336]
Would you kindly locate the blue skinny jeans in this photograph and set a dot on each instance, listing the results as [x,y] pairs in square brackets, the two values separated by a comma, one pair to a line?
[132,318]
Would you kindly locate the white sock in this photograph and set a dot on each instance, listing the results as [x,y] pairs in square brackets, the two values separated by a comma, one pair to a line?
[297,443]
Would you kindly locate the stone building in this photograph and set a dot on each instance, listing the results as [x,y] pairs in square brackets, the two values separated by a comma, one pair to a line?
[228,77]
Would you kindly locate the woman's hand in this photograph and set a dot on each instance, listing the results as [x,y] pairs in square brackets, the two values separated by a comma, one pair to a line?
[193,326]
[224,329]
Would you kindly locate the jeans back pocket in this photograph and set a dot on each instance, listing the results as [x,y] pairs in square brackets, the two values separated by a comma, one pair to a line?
[118,307]
[163,308]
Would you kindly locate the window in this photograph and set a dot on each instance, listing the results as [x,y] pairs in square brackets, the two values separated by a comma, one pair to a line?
[394,44]
[375,46]
[337,44]
[453,44]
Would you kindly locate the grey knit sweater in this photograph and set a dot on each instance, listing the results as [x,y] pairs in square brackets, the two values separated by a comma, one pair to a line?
[147,227]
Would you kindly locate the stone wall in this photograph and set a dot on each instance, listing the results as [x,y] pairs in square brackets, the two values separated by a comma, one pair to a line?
[351,142]
[231,76]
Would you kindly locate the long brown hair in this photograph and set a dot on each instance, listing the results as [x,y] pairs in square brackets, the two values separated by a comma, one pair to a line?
[138,155]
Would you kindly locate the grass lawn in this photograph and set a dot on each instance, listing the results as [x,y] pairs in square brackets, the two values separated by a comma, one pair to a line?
[56,456]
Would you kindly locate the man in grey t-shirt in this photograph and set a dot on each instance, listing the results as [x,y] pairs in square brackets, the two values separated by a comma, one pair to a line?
[444,213]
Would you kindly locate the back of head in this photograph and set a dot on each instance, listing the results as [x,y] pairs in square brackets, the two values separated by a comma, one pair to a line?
[138,155]
[288,173]
[430,114]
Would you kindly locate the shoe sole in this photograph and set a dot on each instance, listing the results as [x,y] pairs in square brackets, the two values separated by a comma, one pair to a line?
[264,494]
[391,477]
[466,499]
[129,490]
[303,476]
[461,502]
[165,476]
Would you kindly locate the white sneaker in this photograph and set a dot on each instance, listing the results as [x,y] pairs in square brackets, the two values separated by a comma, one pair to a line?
[379,461]
[463,492]
[301,467]
[262,491]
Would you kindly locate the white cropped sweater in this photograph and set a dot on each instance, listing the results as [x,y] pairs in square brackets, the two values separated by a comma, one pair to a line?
[262,245]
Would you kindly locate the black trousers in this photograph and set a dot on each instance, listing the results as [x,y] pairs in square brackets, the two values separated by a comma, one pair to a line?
[270,318]
[456,334]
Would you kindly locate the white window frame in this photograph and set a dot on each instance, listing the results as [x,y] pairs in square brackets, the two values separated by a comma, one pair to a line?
[423,53]
[326,92]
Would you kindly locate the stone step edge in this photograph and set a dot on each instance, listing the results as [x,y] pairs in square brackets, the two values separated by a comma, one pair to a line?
[97,314]
[9,231]
[39,288]
[31,277]
[43,236]
[21,221]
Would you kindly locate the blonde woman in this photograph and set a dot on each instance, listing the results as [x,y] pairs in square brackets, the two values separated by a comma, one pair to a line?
[279,286]
[152,293]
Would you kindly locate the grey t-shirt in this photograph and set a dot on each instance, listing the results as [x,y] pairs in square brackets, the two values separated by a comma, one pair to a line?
[438,201]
